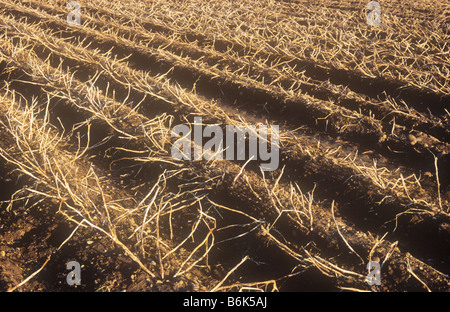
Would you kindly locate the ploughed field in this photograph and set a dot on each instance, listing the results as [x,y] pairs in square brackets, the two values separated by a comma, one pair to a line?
[88,173]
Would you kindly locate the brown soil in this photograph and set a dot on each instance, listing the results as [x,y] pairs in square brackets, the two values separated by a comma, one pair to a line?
[353,168]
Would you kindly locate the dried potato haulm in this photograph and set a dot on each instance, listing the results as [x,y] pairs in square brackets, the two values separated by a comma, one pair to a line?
[87,114]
